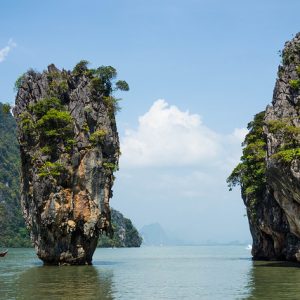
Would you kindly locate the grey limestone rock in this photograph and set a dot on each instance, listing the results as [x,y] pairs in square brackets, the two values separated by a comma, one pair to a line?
[69,152]
[275,228]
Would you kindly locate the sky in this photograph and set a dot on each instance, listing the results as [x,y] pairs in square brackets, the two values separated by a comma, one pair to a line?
[198,71]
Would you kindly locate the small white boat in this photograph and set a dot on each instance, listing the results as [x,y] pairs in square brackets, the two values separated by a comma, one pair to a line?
[249,247]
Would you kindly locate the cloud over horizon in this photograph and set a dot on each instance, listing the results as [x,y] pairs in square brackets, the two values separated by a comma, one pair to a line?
[4,51]
[169,137]
[172,166]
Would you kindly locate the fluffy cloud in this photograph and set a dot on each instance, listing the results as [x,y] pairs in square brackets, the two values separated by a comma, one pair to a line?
[167,136]
[173,171]
[4,51]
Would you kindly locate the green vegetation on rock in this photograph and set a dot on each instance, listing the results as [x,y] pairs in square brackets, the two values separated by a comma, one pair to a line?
[80,68]
[19,82]
[103,84]
[250,173]
[288,134]
[12,226]
[286,156]
[295,84]
[6,108]
[110,166]
[125,234]
[122,85]
[42,106]
[97,136]
[51,169]
[55,123]
[48,122]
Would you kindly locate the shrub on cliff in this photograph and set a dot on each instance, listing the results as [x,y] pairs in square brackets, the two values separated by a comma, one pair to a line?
[285,131]
[250,173]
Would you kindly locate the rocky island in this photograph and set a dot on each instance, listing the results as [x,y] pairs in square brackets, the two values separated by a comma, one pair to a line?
[69,151]
[124,233]
[269,171]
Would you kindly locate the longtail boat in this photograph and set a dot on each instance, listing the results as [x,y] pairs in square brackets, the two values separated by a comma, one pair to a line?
[3,253]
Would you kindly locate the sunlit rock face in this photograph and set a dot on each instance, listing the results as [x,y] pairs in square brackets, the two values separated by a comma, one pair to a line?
[69,150]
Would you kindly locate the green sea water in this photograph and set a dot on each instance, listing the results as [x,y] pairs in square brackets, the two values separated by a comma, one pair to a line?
[198,272]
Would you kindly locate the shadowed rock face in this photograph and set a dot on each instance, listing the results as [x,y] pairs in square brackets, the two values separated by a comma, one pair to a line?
[69,149]
[274,215]
[283,172]
[269,229]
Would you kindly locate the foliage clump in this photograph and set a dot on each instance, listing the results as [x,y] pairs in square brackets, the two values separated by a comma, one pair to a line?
[286,156]
[19,82]
[295,84]
[109,166]
[80,68]
[44,105]
[98,136]
[55,123]
[250,173]
[289,135]
[103,84]
[6,108]
[48,123]
[48,120]
[58,85]
[51,169]
[285,132]
[27,125]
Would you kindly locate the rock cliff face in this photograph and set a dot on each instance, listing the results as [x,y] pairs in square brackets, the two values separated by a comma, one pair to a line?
[125,234]
[69,150]
[269,172]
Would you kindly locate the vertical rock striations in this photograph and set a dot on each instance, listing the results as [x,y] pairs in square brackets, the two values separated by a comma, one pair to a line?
[269,172]
[69,150]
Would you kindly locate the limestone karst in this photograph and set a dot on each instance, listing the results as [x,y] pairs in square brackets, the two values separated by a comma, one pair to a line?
[269,172]
[69,151]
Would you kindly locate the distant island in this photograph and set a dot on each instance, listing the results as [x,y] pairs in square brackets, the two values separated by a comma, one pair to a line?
[154,235]
[125,234]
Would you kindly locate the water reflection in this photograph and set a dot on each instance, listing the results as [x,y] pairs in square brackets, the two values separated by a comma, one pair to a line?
[274,280]
[77,282]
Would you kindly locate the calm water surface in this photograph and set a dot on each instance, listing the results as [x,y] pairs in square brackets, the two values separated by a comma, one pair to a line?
[204,272]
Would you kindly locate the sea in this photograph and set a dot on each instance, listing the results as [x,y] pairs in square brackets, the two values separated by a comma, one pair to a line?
[183,272]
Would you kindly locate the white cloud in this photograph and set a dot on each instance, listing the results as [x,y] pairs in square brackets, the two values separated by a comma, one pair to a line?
[173,170]
[4,51]
[167,136]
[239,134]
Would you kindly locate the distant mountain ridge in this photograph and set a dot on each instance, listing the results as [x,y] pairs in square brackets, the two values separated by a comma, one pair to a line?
[154,235]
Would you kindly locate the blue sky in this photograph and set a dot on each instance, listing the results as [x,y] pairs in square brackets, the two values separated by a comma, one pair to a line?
[213,62]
